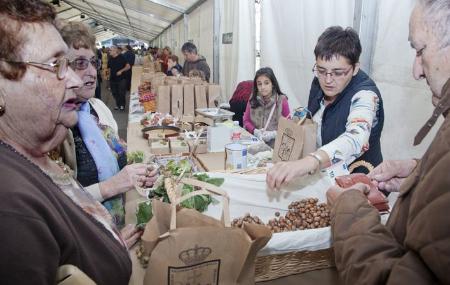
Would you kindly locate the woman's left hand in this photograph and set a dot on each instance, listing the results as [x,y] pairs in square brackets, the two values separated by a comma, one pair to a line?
[130,234]
[285,171]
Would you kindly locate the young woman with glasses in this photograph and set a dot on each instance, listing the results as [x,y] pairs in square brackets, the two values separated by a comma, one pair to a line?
[347,106]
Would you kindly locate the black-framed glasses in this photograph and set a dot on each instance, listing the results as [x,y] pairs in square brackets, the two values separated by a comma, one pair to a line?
[60,66]
[82,63]
[322,73]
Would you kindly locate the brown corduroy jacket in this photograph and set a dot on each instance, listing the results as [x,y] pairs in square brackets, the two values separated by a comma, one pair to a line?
[414,246]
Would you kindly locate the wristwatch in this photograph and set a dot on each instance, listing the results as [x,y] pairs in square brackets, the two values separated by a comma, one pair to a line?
[316,157]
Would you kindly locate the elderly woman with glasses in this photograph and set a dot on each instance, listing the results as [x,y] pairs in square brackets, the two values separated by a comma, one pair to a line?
[93,148]
[347,106]
[46,218]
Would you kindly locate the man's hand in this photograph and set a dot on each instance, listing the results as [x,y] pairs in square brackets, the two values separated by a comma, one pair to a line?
[334,192]
[285,171]
[390,174]
[119,73]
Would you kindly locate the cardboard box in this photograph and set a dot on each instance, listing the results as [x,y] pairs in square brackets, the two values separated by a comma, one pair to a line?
[178,146]
[160,146]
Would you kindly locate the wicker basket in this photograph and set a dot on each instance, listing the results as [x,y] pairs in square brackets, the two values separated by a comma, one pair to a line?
[275,266]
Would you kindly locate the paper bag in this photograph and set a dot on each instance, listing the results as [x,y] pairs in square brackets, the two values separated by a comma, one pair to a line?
[177,100]
[200,97]
[294,141]
[188,98]
[187,247]
[213,95]
[157,81]
[163,99]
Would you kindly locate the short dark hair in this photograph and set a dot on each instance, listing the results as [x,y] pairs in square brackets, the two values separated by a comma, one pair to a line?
[266,71]
[174,58]
[335,41]
[189,47]
[13,15]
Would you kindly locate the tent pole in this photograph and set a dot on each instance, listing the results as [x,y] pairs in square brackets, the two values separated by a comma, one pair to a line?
[365,23]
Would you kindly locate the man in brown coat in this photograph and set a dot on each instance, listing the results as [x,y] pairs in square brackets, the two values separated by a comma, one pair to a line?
[414,246]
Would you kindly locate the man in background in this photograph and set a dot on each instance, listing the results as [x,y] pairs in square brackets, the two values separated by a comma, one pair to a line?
[118,66]
[193,61]
[130,57]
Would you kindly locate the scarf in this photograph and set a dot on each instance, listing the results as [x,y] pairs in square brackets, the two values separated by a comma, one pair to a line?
[105,160]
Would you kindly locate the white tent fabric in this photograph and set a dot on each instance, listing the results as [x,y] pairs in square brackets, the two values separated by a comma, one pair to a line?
[200,26]
[407,103]
[237,60]
[289,32]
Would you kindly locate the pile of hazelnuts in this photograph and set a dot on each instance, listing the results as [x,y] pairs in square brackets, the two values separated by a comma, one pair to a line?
[302,215]
[239,222]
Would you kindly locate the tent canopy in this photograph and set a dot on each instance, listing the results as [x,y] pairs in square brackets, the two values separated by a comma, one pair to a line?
[139,19]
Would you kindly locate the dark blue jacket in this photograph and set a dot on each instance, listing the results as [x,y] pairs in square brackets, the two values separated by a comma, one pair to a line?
[335,115]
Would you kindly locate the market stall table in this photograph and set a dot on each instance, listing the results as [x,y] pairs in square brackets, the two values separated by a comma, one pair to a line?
[211,162]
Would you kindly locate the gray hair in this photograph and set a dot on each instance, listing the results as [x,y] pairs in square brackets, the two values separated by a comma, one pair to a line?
[436,14]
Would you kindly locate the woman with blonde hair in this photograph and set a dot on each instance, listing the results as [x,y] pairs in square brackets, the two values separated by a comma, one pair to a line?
[93,148]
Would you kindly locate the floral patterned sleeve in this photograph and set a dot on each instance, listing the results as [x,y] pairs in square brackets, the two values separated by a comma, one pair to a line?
[355,140]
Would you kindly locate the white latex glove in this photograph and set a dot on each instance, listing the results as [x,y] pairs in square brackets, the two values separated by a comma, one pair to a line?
[142,174]
[258,133]
[269,135]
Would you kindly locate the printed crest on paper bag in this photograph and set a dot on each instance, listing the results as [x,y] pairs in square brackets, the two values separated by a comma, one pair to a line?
[287,145]
[197,270]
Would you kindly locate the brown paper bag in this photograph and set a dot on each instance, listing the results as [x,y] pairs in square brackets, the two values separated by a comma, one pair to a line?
[163,99]
[294,141]
[200,97]
[213,94]
[187,247]
[188,99]
[157,65]
[157,80]
[177,100]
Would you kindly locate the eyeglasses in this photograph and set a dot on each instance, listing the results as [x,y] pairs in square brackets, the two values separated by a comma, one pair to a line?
[83,63]
[335,74]
[60,66]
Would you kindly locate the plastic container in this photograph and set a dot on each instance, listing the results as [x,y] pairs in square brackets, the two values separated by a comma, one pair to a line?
[236,132]
[235,156]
